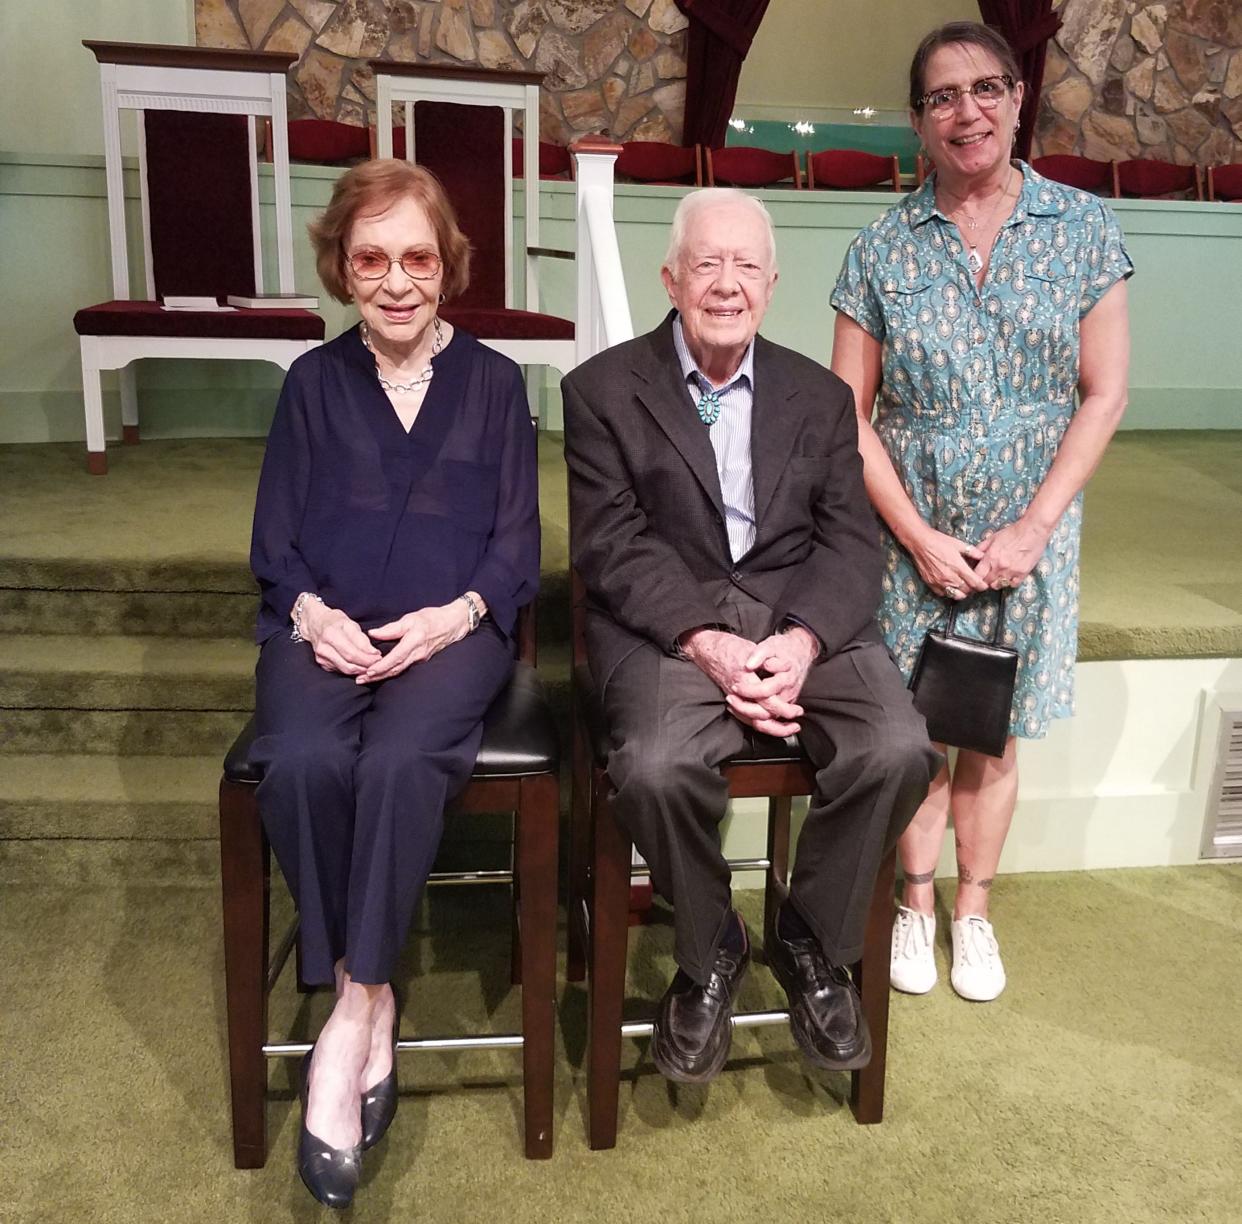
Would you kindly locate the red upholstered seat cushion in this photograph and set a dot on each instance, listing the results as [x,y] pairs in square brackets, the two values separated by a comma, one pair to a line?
[741,166]
[1085,173]
[150,319]
[1227,181]
[487,323]
[327,142]
[849,169]
[653,161]
[1149,178]
[554,160]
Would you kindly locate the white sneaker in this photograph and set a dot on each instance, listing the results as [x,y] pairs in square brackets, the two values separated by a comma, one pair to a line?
[977,970]
[912,965]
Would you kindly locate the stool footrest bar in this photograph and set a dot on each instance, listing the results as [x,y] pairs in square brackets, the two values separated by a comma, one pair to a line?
[496,1041]
[642,1028]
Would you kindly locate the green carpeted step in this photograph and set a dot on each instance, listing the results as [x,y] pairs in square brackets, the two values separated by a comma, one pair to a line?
[61,672]
[125,732]
[197,614]
[49,796]
[92,862]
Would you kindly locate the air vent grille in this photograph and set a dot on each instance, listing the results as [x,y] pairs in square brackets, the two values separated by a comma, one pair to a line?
[1223,834]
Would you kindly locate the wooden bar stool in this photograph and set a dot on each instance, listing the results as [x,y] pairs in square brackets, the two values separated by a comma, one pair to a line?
[516,771]
[599,885]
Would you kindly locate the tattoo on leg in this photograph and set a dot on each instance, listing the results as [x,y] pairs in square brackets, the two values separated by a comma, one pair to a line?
[966,876]
[919,877]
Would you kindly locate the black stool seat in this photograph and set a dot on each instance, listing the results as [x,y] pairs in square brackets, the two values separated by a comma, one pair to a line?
[519,736]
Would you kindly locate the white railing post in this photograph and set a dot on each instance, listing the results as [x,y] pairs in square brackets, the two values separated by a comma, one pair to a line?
[602,317]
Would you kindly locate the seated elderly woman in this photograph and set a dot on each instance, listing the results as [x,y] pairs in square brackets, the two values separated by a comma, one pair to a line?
[396,535]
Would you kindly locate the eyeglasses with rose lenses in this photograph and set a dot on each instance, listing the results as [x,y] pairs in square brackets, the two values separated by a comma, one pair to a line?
[370,263]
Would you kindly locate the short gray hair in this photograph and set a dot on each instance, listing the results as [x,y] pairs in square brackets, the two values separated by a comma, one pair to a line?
[704,198]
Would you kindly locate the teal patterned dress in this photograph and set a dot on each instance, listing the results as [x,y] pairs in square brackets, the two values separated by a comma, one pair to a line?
[978,389]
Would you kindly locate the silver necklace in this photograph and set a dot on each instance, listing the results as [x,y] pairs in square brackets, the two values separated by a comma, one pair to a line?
[974,261]
[420,379]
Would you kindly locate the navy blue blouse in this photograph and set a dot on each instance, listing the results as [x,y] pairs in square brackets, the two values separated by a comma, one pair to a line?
[379,522]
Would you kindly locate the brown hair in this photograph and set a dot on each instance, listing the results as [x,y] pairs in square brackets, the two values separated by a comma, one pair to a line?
[373,187]
[973,33]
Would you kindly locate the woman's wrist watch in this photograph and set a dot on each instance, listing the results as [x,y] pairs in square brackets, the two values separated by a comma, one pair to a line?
[472,611]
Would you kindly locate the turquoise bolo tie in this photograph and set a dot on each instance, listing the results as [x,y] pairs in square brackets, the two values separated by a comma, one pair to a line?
[709,407]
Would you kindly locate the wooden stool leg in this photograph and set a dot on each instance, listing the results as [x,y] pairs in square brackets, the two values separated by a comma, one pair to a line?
[515,915]
[867,1085]
[244,877]
[610,887]
[776,886]
[579,841]
[537,821]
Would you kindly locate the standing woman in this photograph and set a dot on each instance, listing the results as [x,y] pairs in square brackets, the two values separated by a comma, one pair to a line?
[984,319]
[396,535]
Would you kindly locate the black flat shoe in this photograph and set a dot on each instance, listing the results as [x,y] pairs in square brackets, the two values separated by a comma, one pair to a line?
[825,1012]
[330,1174]
[691,1034]
[379,1104]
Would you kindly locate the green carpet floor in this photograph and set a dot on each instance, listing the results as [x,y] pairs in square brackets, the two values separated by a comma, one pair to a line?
[1104,1085]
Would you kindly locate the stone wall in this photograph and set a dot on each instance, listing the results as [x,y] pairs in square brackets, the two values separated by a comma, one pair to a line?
[614,65]
[1130,79]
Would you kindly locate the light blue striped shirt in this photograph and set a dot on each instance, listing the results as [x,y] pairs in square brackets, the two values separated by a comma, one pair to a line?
[730,438]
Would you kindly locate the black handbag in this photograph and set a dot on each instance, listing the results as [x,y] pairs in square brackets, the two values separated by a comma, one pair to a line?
[963,687]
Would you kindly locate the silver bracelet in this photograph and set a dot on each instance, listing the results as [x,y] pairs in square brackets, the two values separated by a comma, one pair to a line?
[298,608]
[472,610]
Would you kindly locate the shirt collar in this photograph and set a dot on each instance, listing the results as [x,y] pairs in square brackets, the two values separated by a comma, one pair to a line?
[689,370]
[1034,200]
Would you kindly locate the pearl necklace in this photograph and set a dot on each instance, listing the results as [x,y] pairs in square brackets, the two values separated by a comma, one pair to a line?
[419,380]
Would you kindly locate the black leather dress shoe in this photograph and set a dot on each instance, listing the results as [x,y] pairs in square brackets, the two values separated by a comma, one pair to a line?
[330,1174]
[691,1035]
[825,1012]
[379,1104]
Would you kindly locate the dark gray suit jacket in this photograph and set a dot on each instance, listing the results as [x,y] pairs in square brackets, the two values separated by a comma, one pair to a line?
[647,528]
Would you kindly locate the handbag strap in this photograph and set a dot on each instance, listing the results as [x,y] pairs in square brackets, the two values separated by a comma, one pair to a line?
[956,605]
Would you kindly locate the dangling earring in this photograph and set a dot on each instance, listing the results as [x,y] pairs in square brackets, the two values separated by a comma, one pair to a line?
[440,300]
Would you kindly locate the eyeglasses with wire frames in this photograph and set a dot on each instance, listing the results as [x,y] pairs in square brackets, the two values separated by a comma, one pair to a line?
[987,92]
[369,263]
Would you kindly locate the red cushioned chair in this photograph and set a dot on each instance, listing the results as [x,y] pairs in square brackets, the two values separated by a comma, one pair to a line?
[198,179]
[1153,180]
[601,868]
[660,164]
[554,160]
[1225,182]
[1085,173]
[740,166]
[322,142]
[851,170]
[462,129]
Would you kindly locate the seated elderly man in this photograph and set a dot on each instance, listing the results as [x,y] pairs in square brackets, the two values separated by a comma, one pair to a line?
[732,565]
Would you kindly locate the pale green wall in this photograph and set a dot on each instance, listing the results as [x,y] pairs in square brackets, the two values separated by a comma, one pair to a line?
[1186,370]
[49,89]
[811,57]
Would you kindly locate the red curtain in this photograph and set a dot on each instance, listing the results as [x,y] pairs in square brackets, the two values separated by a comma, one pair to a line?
[721,32]
[1028,25]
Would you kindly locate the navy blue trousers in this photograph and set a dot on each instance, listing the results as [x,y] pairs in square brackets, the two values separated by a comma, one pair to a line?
[355,782]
